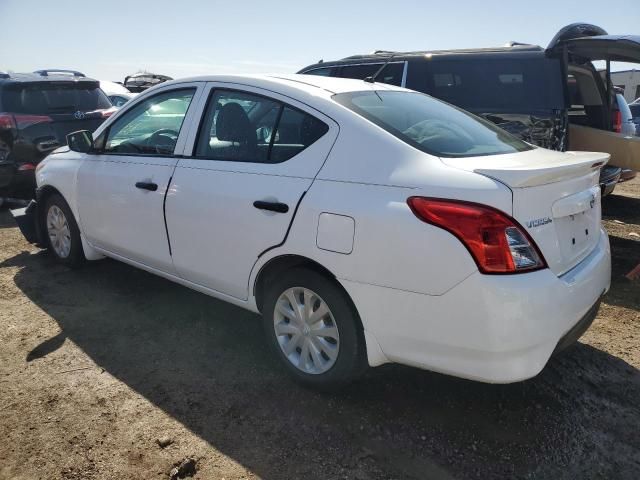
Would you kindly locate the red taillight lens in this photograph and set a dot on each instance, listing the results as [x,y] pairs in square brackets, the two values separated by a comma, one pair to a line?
[24,121]
[7,122]
[19,121]
[107,113]
[496,242]
[617,121]
[26,167]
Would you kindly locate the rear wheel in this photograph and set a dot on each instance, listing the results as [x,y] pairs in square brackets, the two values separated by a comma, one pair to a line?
[314,330]
[63,235]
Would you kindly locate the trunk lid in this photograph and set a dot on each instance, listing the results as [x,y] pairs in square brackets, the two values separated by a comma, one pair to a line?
[585,42]
[556,198]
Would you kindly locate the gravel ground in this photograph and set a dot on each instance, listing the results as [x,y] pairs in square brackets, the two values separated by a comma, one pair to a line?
[111,373]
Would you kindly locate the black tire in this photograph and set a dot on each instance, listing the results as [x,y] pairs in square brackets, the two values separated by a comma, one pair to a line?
[75,257]
[351,361]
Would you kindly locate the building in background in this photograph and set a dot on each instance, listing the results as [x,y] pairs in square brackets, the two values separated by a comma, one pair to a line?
[629,81]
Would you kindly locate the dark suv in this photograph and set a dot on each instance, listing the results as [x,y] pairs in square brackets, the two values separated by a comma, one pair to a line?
[532,92]
[37,111]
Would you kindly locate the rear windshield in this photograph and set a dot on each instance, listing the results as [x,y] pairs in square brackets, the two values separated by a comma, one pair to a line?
[500,85]
[52,98]
[430,125]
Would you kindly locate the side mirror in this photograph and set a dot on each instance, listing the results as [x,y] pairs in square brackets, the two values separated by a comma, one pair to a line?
[80,141]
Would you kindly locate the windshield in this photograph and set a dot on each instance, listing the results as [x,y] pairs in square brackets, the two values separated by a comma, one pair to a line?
[431,125]
[52,98]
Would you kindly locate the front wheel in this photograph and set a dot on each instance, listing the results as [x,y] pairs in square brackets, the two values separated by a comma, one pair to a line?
[63,235]
[314,329]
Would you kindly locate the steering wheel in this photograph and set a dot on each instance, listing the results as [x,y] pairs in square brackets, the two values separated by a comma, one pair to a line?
[162,139]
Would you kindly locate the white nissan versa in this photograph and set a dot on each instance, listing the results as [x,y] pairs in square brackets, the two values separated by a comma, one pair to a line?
[367,223]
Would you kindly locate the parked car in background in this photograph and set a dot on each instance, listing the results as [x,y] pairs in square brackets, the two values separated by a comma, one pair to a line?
[139,82]
[623,123]
[623,118]
[37,111]
[634,107]
[117,93]
[367,223]
[520,87]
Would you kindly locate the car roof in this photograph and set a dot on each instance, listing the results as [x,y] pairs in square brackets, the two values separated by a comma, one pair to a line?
[312,84]
[512,48]
[35,77]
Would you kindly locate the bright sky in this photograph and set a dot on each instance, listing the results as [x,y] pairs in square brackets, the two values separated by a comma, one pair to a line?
[110,39]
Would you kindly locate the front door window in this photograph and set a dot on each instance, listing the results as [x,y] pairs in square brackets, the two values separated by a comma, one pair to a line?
[151,127]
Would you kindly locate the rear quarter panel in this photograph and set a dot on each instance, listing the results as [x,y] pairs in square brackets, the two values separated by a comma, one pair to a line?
[369,178]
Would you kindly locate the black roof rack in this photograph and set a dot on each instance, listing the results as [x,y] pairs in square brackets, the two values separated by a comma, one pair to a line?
[49,71]
[511,46]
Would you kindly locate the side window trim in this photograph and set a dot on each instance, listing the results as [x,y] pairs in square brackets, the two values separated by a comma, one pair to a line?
[338,69]
[403,82]
[276,125]
[204,106]
[185,129]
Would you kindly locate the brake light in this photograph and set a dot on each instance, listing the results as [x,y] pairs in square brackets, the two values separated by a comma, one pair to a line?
[107,113]
[24,121]
[26,167]
[617,121]
[497,243]
[7,122]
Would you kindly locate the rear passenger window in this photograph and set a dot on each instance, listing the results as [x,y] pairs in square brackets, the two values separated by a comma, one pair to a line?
[322,72]
[243,127]
[479,83]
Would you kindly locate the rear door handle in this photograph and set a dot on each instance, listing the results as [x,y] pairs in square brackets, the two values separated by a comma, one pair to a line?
[271,206]
[152,187]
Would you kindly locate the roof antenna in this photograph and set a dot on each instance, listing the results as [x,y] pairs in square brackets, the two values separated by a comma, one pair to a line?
[372,78]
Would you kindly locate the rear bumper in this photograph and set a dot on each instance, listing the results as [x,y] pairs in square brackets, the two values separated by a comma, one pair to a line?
[22,184]
[578,329]
[490,328]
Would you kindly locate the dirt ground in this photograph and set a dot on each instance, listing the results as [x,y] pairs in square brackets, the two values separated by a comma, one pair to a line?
[97,365]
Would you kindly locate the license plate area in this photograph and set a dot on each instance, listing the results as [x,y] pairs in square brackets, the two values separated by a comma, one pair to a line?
[577,223]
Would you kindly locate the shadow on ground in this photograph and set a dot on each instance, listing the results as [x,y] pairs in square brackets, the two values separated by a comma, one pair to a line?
[622,208]
[205,363]
[6,220]
[625,255]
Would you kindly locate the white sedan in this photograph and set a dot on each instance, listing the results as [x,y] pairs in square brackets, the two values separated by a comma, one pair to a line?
[367,223]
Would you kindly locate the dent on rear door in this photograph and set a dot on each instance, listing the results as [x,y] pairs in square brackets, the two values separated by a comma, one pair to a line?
[216,232]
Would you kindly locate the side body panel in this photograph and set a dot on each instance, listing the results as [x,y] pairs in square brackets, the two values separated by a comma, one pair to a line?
[216,232]
[117,216]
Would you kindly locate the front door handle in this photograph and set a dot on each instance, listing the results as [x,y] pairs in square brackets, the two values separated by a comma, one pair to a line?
[152,187]
[271,206]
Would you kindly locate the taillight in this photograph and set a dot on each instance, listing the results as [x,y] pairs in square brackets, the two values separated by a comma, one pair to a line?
[19,121]
[497,243]
[25,167]
[24,121]
[107,113]
[7,122]
[617,121]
